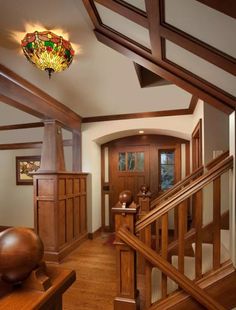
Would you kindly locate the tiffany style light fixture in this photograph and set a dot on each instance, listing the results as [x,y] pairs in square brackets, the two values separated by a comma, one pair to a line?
[47,51]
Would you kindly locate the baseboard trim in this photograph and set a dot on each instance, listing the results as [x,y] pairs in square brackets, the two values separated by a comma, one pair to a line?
[58,256]
[209,278]
[95,234]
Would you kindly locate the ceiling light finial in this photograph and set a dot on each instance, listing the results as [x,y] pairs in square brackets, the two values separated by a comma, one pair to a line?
[47,51]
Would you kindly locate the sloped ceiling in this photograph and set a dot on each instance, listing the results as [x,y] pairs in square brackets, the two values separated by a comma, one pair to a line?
[188,42]
[100,81]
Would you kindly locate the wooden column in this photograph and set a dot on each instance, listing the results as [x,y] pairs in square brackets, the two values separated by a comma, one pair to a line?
[76,151]
[60,209]
[127,294]
[60,212]
[52,157]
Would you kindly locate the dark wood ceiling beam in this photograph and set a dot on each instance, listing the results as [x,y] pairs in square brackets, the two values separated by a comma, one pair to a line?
[116,36]
[18,92]
[93,13]
[227,7]
[153,13]
[189,77]
[116,117]
[193,103]
[169,72]
[199,48]
[22,126]
[125,11]
[28,145]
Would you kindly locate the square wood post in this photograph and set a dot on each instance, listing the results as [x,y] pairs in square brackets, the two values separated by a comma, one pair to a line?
[127,294]
[145,235]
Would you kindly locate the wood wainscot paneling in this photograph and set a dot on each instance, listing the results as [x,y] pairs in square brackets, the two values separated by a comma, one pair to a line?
[60,212]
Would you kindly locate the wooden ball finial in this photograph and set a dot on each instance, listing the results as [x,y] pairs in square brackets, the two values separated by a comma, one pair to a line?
[126,198]
[21,250]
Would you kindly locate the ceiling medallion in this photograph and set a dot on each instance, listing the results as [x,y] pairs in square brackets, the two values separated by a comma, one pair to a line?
[47,51]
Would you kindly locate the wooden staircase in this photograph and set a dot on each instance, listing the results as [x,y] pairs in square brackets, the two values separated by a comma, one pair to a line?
[174,270]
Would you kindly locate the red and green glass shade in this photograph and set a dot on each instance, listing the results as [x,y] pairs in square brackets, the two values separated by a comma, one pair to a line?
[47,51]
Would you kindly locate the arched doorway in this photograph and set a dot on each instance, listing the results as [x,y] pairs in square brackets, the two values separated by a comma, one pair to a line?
[127,163]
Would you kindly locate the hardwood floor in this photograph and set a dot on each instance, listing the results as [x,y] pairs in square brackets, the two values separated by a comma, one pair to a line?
[95,286]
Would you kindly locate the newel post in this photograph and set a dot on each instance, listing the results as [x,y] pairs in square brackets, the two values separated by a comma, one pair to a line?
[144,198]
[127,295]
[145,235]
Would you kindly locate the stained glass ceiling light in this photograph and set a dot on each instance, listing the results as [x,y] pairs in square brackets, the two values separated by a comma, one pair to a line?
[47,51]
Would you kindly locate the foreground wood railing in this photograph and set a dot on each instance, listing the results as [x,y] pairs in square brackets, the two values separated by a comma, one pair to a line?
[168,244]
[185,193]
[156,260]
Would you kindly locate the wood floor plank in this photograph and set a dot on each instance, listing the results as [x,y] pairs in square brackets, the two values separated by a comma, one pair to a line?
[95,266]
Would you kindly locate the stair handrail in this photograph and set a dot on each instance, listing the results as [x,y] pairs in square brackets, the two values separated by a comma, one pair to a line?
[156,260]
[177,186]
[184,193]
[216,160]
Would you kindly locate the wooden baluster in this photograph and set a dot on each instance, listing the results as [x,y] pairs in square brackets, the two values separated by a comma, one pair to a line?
[182,223]
[164,252]
[216,222]
[144,267]
[176,223]
[157,229]
[198,238]
[127,294]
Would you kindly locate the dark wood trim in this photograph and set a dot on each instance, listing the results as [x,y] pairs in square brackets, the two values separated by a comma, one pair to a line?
[57,257]
[17,146]
[216,160]
[193,103]
[113,34]
[226,7]
[136,16]
[104,118]
[197,145]
[153,13]
[147,78]
[29,98]
[28,145]
[95,234]
[197,129]
[198,48]
[22,126]
[182,79]
[102,183]
[217,95]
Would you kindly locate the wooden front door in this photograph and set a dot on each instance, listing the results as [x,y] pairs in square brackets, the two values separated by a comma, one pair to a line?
[130,162]
[129,169]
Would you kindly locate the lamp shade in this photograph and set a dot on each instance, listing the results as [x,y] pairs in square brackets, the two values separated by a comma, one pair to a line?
[47,51]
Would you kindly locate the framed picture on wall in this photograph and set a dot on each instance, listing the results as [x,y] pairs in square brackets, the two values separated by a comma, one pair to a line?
[24,166]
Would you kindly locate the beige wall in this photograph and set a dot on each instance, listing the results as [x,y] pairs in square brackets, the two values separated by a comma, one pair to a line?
[215,138]
[16,201]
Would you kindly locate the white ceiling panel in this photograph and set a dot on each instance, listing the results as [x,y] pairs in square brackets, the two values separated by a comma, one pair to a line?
[201,68]
[124,25]
[140,4]
[203,23]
